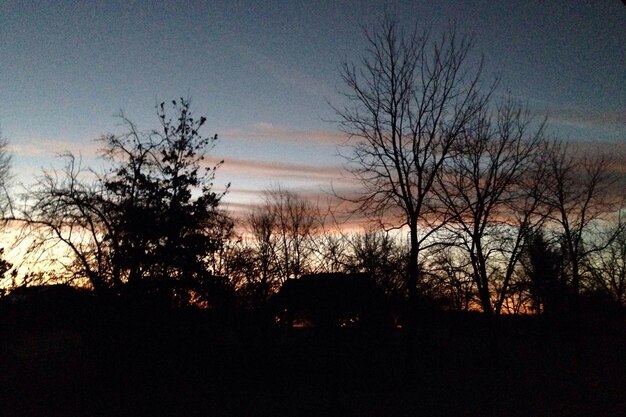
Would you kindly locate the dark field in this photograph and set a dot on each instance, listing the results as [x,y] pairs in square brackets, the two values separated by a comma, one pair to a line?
[194,363]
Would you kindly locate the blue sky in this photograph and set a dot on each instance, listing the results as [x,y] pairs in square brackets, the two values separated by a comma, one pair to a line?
[264,71]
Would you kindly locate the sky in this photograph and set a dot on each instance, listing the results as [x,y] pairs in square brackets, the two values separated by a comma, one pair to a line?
[264,73]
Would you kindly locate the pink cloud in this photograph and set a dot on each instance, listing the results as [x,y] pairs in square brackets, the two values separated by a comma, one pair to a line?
[275,169]
[53,147]
[335,212]
[271,131]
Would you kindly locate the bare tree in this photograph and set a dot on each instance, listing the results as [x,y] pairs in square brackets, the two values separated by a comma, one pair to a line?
[409,100]
[264,239]
[330,244]
[331,250]
[5,178]
[493,187]
[282,228]
[582,198]
[452,279]
[70,228]
[379,254]
[238,262]
[6,209]
[607,267]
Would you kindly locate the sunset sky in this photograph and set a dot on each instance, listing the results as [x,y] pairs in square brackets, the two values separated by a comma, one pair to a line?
[263,72]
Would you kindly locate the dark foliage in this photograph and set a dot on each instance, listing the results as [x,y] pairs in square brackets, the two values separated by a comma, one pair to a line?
[544,268]
[333,300]
[163,230]
[152,218]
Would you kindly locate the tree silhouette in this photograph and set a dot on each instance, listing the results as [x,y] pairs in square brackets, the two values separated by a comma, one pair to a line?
[580,195]
[544,269]
[608,266]
[493,186]
[409,101]
[263,226]
[6,208]
[164,231]
[293,219]
[331,250]
[152,217]
[452,279]
[377,254]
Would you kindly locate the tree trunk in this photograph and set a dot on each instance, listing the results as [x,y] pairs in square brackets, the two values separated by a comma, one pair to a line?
[480,277]
[411,322]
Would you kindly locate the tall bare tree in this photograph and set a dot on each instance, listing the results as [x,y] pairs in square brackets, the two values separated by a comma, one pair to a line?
[493,187]
[409,100]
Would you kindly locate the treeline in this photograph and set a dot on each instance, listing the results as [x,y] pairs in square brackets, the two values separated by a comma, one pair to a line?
[475,206]
[286,238]
[152,225]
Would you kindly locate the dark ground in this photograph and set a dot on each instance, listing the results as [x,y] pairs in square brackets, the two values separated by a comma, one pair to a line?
[190,363]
